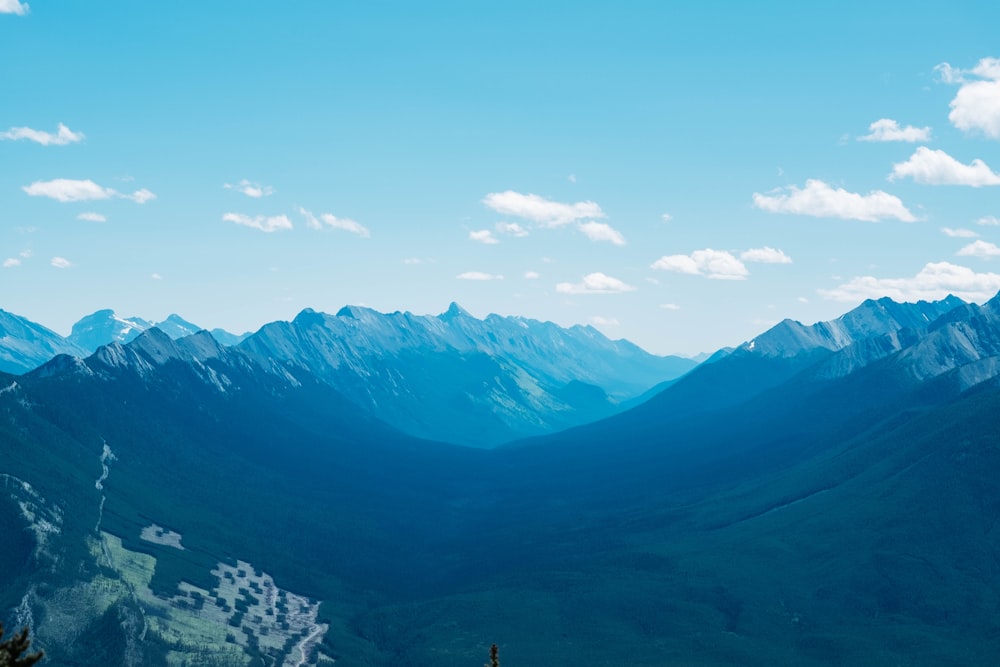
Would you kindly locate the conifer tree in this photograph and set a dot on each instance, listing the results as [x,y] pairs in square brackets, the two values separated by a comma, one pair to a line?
[12,651]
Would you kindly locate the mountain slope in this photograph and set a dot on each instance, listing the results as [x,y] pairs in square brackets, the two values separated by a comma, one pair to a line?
[25,345]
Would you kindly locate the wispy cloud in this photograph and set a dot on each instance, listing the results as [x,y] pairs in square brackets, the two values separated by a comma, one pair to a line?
[14,7]
[478,275]
[540,210]
[263,223]
[156,276]
[822,201]
[70,190]
[483,236]
[976,107]
[666,217]
[716,264]
[599,231]
[60,262]
[595,283]
[765,255]
[669,306]
[935,167]
[959,233]
[92,217]
[333,222]
[935,281]
[983,249]
[602,321]
[250,189]
[988,221]
[512,228]
[63,135]
[886,129]
[11,262]
[532,275]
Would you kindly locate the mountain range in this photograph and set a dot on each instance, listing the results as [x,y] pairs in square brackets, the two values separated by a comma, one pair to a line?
[819,495]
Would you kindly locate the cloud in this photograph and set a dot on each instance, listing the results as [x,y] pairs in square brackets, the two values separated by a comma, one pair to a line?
[413,261]
[976,107]
[988,221]
[666,217]
[69,190]
[935,167]
[765,255]
[60,262]
[14,7]
[512,228]
[595,283]
[959,233]
[541,210]
[717,264]
[571,178]
[599,231]
[63,135]
[886,129]
[478,275]
[255,190]
[11,262]
[532,275]
[979,249]
[604,321]
[822,201]
[669,306]
[935,281]
[334,222]
[92,217]
[156,276]
[263,223]
[483,236]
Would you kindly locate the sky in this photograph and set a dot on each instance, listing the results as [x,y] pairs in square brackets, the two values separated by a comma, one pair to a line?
[680,174]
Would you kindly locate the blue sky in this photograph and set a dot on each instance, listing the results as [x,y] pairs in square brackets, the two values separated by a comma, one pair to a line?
[683,175]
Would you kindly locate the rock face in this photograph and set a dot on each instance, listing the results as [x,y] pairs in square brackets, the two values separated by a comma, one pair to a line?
[457,378]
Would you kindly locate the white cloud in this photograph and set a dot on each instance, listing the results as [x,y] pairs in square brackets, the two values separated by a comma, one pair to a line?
[988,221]
[935,281]
[541,210]
[478,275]
[666,217]
[14,7]
[413,261]
[802,299]
[765,255]
[532,275]
[483,236]
[156,276]
[959,233]
[822,201]
[979,249]
[604,321]
[886,129]
[63,135]
[935,167]
[250,189]
[595,283]
[717,264]
[571,178]
[11,262]
[92,217]
[669,306]
[70,190]
[25,254]
[334,222]
[261,222]
[512,228]
[976,107]
[599,231]
[60,262]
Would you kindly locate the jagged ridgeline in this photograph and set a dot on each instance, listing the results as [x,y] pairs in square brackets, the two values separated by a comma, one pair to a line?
[819,495]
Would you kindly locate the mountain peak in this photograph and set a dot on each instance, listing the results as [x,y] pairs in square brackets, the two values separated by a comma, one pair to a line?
[454,311]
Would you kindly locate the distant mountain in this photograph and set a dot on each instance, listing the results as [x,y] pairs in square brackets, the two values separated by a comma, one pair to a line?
[457,378]
[105,326]
[25,345]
